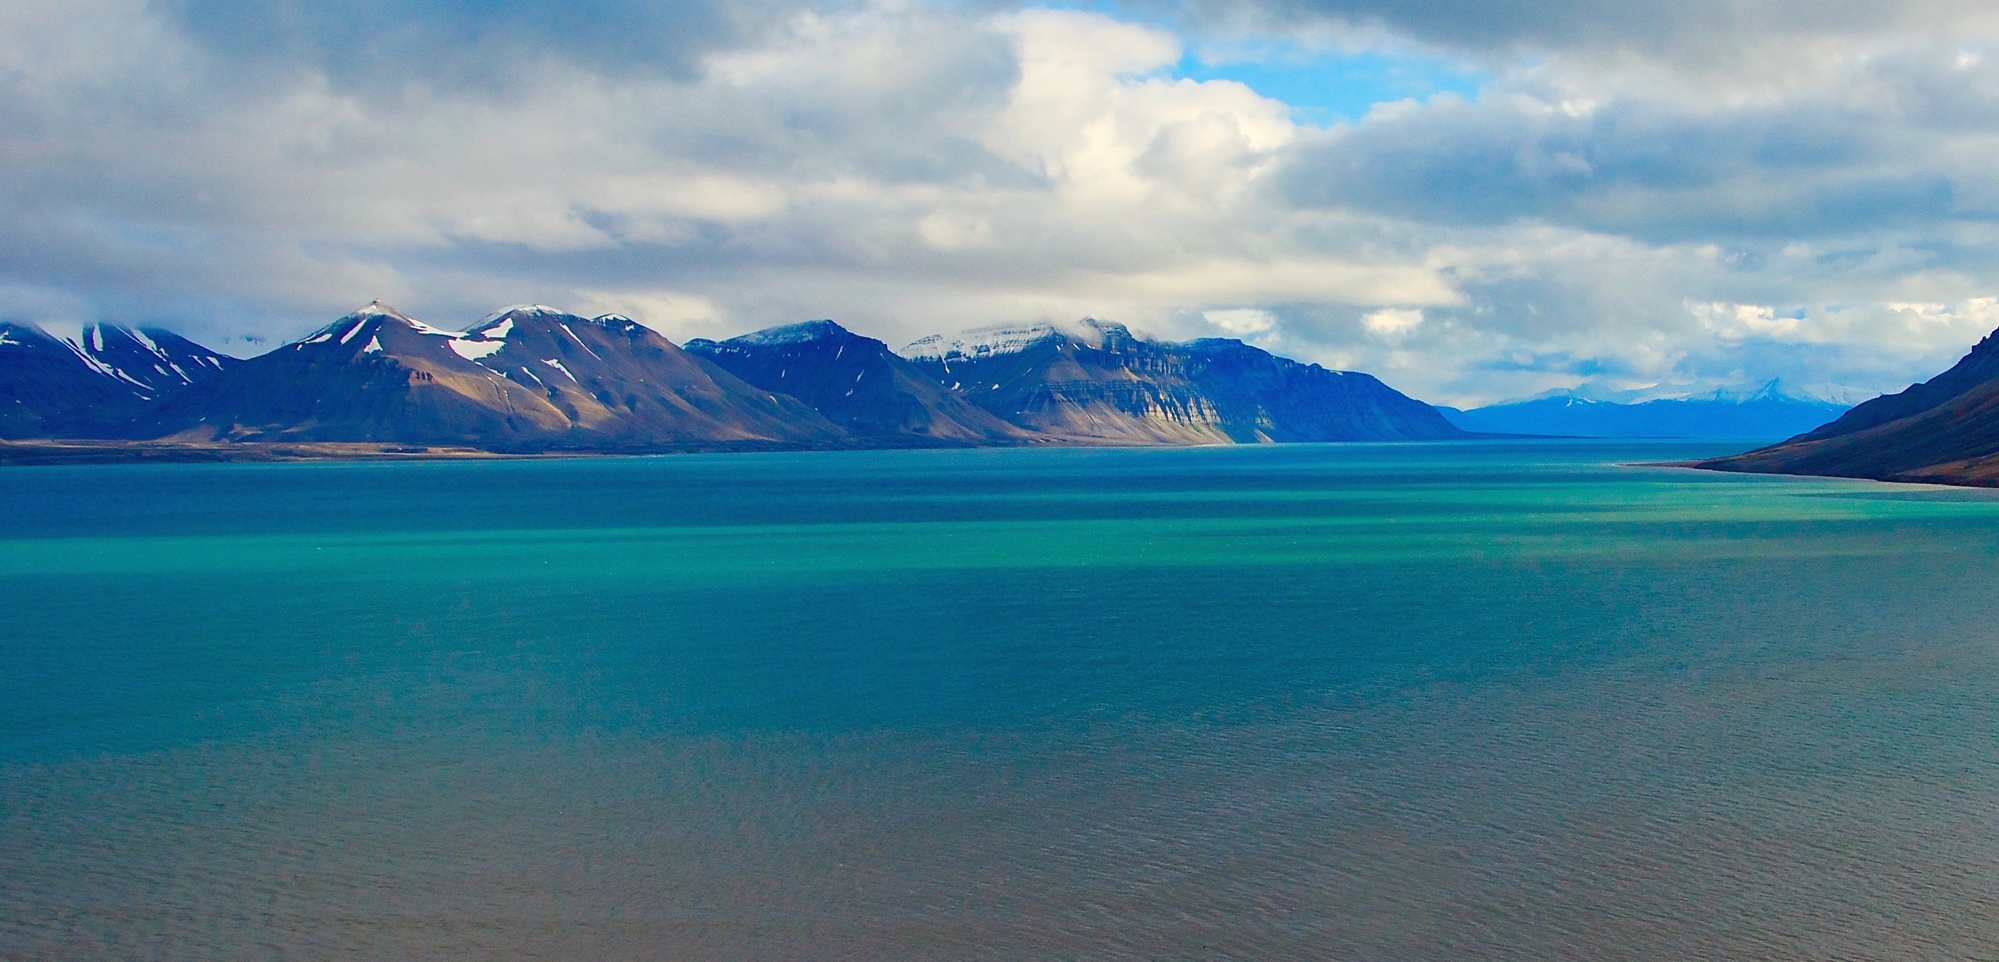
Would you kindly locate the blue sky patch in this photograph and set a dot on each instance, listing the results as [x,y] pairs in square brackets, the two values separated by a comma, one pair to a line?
[1322,87]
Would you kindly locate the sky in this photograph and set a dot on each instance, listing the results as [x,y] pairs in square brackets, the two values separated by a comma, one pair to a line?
[1474,200]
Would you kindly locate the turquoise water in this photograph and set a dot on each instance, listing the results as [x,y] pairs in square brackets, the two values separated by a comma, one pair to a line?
[1317,701]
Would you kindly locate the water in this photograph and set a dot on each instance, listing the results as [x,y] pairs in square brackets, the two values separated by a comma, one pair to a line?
[1380,702]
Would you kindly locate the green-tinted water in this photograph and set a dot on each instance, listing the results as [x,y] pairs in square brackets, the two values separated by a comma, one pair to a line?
[1313,701]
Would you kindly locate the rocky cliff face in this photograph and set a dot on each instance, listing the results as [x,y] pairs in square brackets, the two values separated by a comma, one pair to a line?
[526,378]
[1101,383]
[1945,430]
[855,382]
[92,381]
[1263,397]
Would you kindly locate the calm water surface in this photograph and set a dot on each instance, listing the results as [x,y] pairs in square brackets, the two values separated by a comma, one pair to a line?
[1366,701]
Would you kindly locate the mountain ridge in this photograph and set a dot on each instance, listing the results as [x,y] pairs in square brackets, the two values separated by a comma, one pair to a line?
[1943,430]
[531,378]
[855,382]
[1101,383]
[1763,411]
[91,380]
[522,380]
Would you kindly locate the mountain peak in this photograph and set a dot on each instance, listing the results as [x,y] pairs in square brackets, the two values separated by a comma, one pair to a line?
[792,334]
[522,309]
[979,342]
[1097,333]
[376,308]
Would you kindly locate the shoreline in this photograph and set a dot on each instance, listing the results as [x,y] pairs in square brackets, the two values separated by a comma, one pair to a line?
[1939,475]
[46,452]
[41,452]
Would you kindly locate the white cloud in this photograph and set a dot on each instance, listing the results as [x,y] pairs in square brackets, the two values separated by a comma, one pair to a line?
[1241,321]
[1631,200]
[951,232]
[1734,322]
[678,316]
[1392,324]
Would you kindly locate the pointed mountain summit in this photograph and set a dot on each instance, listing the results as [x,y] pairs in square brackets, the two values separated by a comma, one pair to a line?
[526,378]
[1945,430]
[92,380]
[855,382]
[1099,382]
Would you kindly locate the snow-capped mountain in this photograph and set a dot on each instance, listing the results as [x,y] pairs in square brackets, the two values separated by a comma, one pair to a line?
[528,377]
[151,361]
[1099,382]
[855,381]
[88,380]
[1762,410]
[979,343]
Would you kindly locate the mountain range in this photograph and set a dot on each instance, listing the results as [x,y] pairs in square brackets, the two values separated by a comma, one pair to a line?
[1943,430]
[534,379]
[525,379]
[1763,411]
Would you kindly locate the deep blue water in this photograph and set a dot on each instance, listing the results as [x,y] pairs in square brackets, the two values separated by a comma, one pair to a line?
[1318,701]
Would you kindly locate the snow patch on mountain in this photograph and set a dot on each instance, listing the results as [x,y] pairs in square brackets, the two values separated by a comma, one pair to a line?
[979,343]
[801,333]
[422,328]
[522,309]
[474,350]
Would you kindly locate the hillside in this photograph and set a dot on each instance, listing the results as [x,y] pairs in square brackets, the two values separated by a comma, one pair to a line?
[94,380]
[855,382]
[1943,430]
[528,378]
[1101,383]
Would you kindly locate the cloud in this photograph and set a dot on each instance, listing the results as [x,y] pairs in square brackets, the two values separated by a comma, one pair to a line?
[1629,193]
[1392,324]
[1690,33]
[383,44]
[1245,322]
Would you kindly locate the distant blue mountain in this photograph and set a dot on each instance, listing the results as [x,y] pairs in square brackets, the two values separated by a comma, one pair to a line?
[1765,412]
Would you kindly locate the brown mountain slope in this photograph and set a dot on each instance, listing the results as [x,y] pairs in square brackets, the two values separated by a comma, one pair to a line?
[1101,383]
[527,379]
